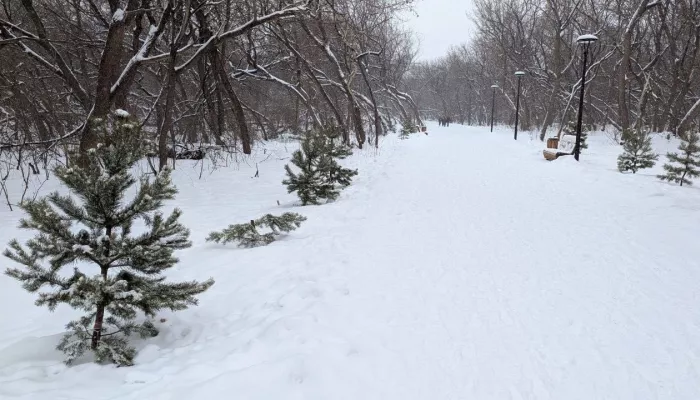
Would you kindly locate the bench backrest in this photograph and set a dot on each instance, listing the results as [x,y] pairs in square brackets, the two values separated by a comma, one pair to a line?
[567,144]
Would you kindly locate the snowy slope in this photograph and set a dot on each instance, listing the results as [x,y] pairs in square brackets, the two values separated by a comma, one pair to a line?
[461,265]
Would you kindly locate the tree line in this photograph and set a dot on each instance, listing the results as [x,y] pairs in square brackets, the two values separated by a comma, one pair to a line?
[199,73]
[643,70]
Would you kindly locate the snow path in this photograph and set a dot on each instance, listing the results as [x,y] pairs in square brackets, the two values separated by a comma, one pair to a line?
[477,287]
[461,265]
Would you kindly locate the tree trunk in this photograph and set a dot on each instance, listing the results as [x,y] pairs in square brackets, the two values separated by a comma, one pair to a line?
[166,124]
[236,105]
[686,79]
[309,71]
[107,72]
[622,90]
[100,314]
[97,327]
[220,113]
[553,100]
[355,113]
[685,122]
[622,109]
[377,118]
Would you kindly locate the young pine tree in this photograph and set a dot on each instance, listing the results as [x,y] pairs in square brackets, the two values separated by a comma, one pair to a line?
[570,129]
[320,176]
[687,163]
[117,273]
[407,128]
[638,153]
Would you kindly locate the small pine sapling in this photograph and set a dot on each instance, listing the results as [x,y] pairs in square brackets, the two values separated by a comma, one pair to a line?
[335,173]
[320,176]
[407,128]
[247,235]
[309,183]
[687,163]
[638,153]
[570,129]
[116,273]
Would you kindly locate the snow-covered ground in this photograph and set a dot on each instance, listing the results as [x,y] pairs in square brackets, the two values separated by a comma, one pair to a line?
[460,265]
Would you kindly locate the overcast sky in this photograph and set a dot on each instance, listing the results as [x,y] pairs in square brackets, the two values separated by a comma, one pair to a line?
[441,24]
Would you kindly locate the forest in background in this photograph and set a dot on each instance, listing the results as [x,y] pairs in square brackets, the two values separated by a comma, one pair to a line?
[198,74]
[642,72]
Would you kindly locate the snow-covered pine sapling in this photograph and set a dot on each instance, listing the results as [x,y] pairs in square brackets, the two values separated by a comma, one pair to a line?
[309,183]
[336,176]
[335,173]
[686,165]
[407,128]
[320,176]
[117,272]
[638,153]
[248,234]
[570,129]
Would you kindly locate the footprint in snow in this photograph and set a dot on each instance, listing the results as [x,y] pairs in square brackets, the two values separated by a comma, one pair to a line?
[297,375]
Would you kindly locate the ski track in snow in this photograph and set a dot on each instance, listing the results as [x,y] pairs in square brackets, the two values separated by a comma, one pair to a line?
[460,265]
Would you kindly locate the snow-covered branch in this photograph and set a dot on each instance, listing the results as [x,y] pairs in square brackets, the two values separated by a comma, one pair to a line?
[241,29]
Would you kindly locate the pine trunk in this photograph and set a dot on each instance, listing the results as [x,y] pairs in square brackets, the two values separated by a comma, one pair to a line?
[97,328]
[100,315]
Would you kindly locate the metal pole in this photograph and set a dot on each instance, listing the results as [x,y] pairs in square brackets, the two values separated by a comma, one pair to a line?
[517,110]
[493,105]
[577,148]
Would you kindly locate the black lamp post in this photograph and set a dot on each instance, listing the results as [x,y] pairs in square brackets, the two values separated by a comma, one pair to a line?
[493,103]
[519,74]
[585,40]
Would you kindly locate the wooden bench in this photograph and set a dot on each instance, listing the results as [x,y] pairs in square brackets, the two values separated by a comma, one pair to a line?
[565,147]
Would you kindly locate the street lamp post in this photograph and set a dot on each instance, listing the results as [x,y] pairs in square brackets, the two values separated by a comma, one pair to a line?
[519,74]
[585,40]
[493,103]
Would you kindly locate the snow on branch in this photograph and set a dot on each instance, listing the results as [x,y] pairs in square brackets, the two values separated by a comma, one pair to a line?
[148,43]
[643,7]
[368,53]
[118,15]
[60,68]
[281,81]
[692,112]
[241,29]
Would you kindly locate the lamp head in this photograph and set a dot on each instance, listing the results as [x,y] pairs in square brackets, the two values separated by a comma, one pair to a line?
[587,39]
[519,73]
